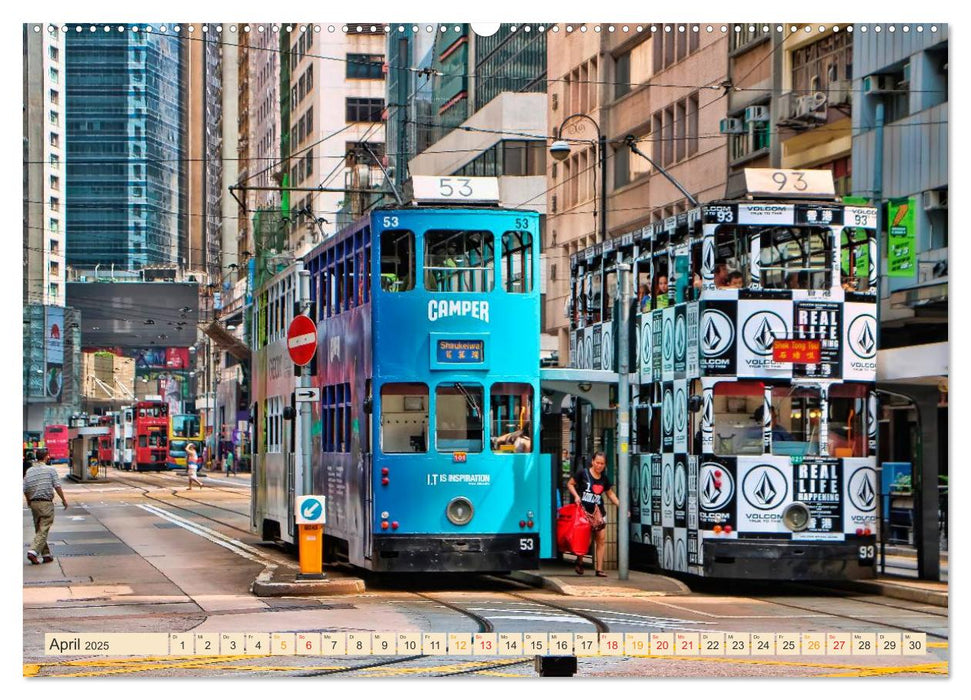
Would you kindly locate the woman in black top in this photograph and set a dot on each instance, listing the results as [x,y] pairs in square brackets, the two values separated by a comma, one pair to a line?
[588,487]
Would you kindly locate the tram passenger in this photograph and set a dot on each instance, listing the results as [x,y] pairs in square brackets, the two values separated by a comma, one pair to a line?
[721,275]
[735,280]
[661,291]
[778,432]
[594,483]
[643,298]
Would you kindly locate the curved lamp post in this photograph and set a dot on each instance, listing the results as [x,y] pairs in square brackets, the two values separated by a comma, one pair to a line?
[560,150]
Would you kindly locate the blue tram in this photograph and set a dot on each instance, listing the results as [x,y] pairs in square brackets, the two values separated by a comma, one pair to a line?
[754,408]
[425,439]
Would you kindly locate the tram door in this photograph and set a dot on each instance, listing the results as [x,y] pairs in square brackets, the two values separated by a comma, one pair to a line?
[289,440]
[368,485]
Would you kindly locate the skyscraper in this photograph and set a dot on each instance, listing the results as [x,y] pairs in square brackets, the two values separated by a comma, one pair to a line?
[126,174]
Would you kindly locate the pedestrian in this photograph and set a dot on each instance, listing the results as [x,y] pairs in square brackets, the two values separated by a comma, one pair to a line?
[192,464]
[229,460]
[593,483]
[40,483]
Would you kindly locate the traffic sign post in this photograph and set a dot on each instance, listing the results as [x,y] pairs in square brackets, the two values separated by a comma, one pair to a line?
[302,340]
[311,514]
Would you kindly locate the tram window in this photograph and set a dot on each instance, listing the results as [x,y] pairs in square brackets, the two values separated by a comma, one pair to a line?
[847,420]
[609,294]
[510,417]
[143,441]
[737,429]
[459,261]
[695,291]
[855,259]
[731,255]
[643,286]
[517,261]
[404,418]
[397,261]
[659,290]
[796,419]
[796,258]
[592,285]
[642,423]
[458,417]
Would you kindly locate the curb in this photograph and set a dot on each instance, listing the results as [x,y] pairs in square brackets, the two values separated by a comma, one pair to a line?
[265,587]
[554,583]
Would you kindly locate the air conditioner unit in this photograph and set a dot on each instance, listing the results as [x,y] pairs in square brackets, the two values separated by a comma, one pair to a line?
[876,84]
[757,113]
[935,199]
[811,107]
[731,125]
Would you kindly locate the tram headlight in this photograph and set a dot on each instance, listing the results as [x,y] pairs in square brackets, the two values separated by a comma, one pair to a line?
[796,516]
[459,511]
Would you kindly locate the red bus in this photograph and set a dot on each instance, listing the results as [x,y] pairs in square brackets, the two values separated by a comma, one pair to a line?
[151,435]
[55,440]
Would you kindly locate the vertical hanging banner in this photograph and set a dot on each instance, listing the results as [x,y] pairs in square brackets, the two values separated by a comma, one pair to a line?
[54,351]
[819,321]
[901,238]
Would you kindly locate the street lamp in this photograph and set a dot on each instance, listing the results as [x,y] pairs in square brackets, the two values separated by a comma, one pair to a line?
[560,150]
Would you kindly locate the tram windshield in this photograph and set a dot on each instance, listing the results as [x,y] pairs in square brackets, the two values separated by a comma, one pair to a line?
[796,258]
[458,417]
[459,261]
[736,430]
[796,420]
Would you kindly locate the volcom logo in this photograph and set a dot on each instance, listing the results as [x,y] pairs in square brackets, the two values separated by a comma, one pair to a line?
[717,486]
[861,489]
[646,345]
[680,338]
[761,329]
[635,486]
[681,411]
[668,339]
[588,352]
[606,350]
[708,259]
[667,412]
[646,485]
[862,337]
[667,487]
[707,413]
[717,333]
[681,560]
[765,487]
[680,486]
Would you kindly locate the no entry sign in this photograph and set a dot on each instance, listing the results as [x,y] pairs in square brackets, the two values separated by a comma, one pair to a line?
[302,340]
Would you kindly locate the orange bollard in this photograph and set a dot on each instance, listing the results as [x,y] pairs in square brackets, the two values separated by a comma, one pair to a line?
[311,545]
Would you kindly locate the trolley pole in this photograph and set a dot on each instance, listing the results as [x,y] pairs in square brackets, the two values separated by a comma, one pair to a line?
[623,420]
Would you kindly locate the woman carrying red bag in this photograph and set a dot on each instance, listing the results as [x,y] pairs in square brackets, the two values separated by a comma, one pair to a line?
[588,487]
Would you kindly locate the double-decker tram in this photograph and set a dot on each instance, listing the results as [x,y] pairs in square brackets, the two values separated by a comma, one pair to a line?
[753,386]
[124,427]
[56,442]
[184,428]
[151,423]
[424,439]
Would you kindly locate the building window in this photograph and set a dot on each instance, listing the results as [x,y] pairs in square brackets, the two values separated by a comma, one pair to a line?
[755,137]
[363,66]
[55,140]
[55,183]
[671,47]
[55,98]
[55,161]
[54,289]
[364,109]
[54,53]
[820,66]
[55,246]
[622,75]
[55,204]
[55,269]
[54,118]
[54,75]
[746,34]
[54,226]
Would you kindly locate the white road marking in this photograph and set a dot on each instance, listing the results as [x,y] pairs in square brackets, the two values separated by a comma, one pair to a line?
[233,545]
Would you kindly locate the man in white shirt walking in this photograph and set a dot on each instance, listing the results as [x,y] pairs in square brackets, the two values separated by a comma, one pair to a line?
[40,483]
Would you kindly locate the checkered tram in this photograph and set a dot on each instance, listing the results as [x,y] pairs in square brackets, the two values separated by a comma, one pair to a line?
[753,407]
[424,436]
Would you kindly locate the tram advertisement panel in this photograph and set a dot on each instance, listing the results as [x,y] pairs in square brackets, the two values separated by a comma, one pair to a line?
[657,324]
[680,341]
[766,488]
[693,557]
[762,322]
[681,416]
[680,490]
[716,492]
[818,482]
[717,339]
[646,366]
[646,507]
[819,320]
[667,345]
[860,341]
[667,491]
[597,343]
[574,359]
[656,492]
[691,323]
[861,495]
[667,417]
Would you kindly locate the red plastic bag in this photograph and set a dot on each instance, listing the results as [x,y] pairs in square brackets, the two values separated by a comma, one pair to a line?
[573,529]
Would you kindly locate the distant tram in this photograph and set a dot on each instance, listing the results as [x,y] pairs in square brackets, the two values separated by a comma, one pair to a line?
[184,428]
[754,367]
[56,442]
[425,439]
[151,423]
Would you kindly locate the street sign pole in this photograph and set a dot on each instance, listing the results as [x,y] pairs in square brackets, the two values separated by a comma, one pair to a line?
[306,481]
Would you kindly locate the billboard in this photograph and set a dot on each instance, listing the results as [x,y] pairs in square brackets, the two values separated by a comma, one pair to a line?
[54,351]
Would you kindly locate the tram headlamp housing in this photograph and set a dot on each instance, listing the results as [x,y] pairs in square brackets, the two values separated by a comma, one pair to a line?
[459,511]
[796,516]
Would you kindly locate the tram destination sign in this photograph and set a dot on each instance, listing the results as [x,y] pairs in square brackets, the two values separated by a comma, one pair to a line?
[460,352]
[800,352]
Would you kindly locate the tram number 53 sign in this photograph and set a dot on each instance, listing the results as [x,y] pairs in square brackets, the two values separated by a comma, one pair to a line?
[302,340]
